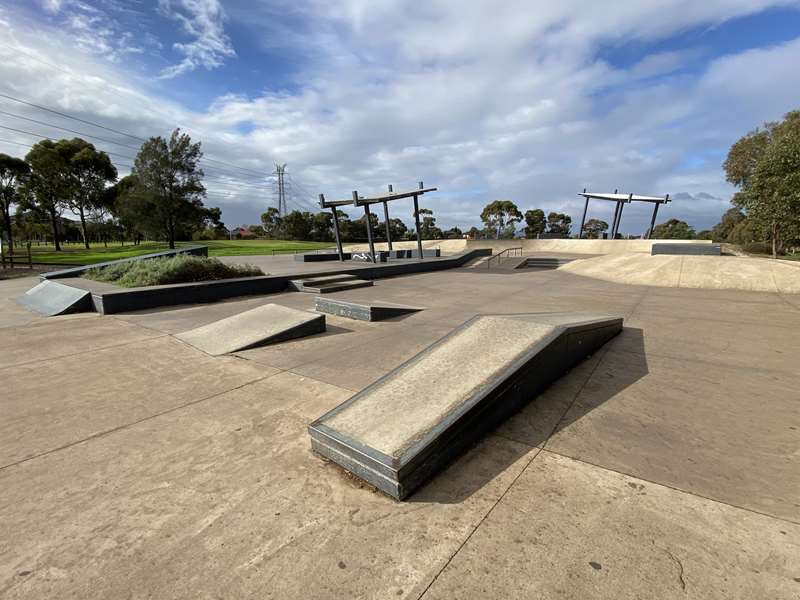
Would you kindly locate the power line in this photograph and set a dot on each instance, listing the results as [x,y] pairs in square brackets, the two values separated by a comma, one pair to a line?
[117,131]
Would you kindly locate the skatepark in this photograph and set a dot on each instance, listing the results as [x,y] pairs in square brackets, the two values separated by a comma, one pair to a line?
[617,426]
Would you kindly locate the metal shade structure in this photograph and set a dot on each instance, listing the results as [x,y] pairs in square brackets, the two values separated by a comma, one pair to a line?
[621,200]
[366,201]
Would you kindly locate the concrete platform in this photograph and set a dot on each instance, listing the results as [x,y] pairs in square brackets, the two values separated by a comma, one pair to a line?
[663,466]
[260,326]
[371,311]
[51,298]
[399,431]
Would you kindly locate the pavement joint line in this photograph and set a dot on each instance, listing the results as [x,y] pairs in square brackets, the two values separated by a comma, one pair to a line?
[100,434]
[90,350]
[514,481]
[671,487]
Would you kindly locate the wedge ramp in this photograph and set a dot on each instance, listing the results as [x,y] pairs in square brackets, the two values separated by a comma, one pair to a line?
[405,427]
[267,324]
[51,298]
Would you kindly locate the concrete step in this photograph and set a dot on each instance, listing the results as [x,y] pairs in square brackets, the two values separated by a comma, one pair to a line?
[51,298]
[372,311]
[260,326]
[408,425]
[537,262]
[339,286]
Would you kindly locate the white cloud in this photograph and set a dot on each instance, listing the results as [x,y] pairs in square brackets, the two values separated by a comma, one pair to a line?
[486,101]
[203,21]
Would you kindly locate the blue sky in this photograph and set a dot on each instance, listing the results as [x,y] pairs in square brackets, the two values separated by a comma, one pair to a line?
[487,101]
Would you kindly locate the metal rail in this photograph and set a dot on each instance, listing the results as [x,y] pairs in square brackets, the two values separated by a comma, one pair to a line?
[507,253]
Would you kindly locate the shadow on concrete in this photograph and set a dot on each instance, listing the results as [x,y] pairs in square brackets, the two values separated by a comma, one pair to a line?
[548,413]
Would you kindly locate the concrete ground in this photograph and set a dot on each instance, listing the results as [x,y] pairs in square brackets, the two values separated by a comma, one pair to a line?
[666,466]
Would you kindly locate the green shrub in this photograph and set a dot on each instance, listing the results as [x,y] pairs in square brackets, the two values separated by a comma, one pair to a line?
[181,268]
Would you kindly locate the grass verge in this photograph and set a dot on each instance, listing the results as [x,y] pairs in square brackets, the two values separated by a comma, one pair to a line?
[175,269]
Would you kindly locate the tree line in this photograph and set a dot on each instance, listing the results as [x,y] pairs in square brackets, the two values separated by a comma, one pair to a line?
[161,198]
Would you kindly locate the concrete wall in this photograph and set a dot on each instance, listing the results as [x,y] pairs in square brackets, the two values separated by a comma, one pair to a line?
[566,246]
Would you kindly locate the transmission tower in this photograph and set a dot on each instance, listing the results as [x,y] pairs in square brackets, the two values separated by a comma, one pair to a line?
[280,171]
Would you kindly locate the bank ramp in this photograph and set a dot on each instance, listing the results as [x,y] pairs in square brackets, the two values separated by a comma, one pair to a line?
[51,298]
[267,324]
[408,425]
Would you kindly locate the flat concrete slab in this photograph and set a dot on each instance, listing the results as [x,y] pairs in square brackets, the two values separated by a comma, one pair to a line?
[362,311]
[267,324]
[406,426]
[51,298]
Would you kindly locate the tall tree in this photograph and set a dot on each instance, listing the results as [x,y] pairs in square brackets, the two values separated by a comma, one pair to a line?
[428,228]
[48,186]
[272,221]
[500,215]
[13,171]
[90,172]
[673,229]
[765,165]
[594,228]
[535,223]
[169,191]
[559,223]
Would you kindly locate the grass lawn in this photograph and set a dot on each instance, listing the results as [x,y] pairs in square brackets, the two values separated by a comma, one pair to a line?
[76,254]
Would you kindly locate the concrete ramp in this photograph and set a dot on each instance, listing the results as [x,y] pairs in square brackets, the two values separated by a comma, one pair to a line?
[362,311]
[51,298]
[408,425]
[260,326]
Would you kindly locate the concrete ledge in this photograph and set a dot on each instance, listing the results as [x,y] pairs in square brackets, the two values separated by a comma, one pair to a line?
[78,271]
[408,425]
[373,311]
[687,249]
[131,299]
[320,256]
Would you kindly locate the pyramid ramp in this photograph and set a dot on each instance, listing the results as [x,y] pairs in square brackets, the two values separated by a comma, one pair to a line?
[410,424]
[260,326]
[51,298]
[361,311]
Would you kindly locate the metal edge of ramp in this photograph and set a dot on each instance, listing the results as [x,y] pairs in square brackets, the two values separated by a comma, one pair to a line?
[362,311]
[51,299]
[253,328]
[573,338]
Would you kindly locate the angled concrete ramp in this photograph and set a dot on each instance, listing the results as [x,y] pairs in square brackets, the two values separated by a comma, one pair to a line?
[362,311]
[408,425]
[260,326]
[51,298]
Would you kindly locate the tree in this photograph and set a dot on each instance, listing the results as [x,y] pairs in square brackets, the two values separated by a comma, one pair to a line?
[535,223]
[765,166]
[559,223]
[13,172]
[297,225]
[731,218]
[47,187]
[428,229]
[397,229]
[90,171]
[169,188]
[474,233]
[673,230]
[454,233]
[594,228]
[272,222]
[500,215]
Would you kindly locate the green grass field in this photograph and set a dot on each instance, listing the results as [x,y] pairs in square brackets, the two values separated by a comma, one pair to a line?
[75,254]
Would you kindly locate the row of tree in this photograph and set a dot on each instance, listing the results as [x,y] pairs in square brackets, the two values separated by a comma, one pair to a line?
[500,219]
[162,197]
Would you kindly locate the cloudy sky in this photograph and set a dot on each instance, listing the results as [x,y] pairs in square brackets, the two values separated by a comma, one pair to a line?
[521,100]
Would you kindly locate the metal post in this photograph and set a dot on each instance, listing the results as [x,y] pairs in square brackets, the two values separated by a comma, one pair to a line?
[583,218]
[386,220]
[369,226]
[416,223]
[653,220]
[614,222]
[335,227]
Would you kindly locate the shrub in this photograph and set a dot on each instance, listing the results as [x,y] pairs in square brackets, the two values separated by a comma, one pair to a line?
[181,268]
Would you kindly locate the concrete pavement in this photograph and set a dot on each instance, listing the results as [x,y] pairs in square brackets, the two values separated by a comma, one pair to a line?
[133,465]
